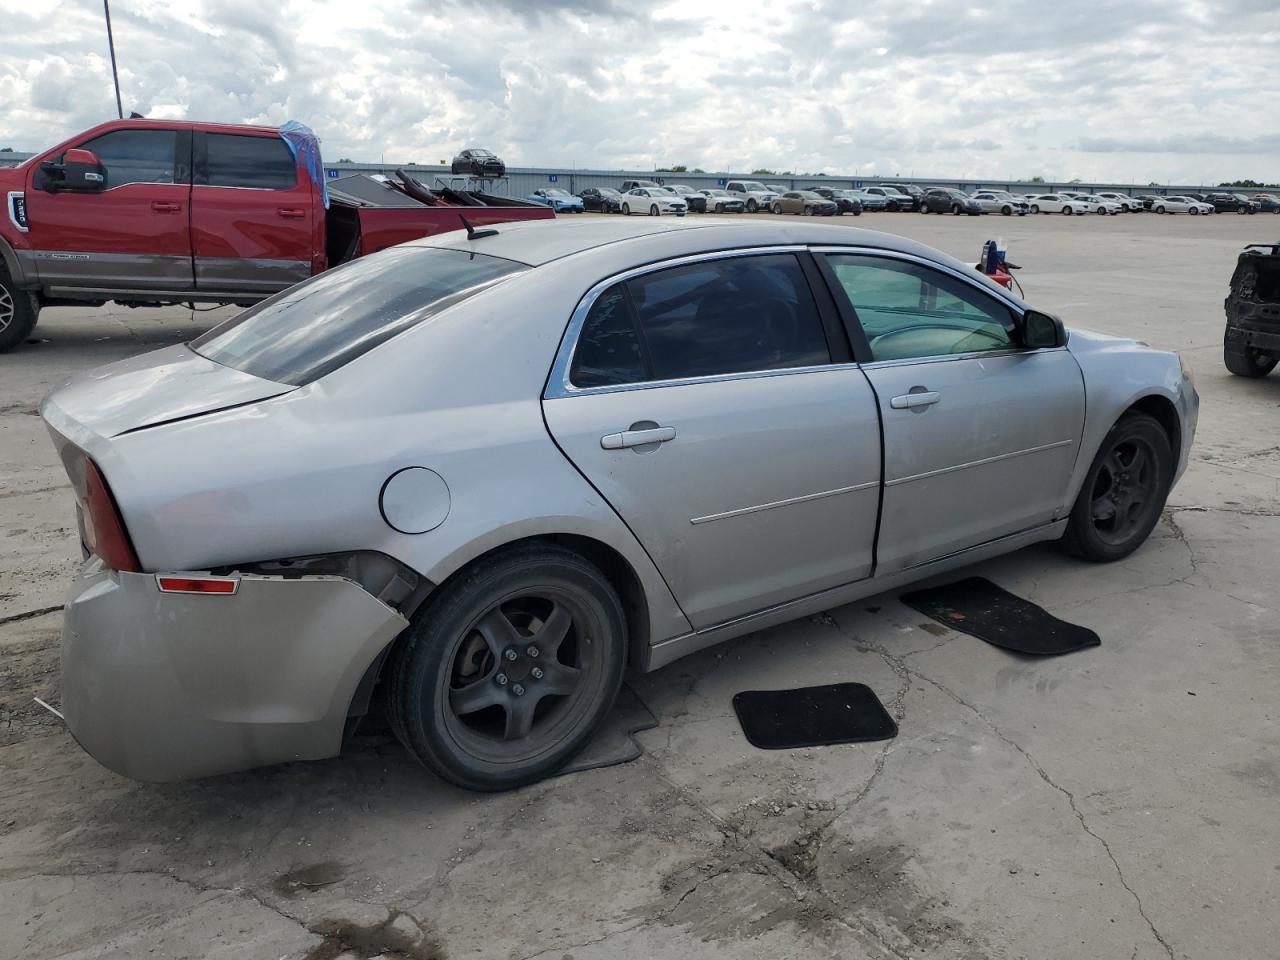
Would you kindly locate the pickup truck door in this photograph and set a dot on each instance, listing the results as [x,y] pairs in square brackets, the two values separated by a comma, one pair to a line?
[131,236]
[707,405]
[980,433]
[254,223]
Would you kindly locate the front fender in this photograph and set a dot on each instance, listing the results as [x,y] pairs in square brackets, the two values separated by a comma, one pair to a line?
[1119,374]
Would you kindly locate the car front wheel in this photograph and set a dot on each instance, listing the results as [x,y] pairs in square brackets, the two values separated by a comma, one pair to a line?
[626,209]
[1035,208]
[1123,492]
[505,674]
[1194,211]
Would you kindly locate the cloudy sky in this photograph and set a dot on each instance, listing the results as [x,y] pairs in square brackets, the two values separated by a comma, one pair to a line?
[1179,90]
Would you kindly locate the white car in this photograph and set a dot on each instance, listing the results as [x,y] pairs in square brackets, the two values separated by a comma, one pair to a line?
[653,201]
[1104,206]
[1002,202]
[1060,203]
[1181,205]
[754,194]
[1130,204]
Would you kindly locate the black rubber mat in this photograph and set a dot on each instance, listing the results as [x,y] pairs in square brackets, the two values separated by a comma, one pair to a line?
[978,607]
[613,743]
[812,716]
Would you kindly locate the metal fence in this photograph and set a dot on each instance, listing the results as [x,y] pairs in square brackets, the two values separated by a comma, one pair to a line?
[521,181]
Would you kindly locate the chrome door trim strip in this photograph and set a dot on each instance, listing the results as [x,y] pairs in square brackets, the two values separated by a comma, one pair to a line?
[785,503]
[978,463]
[558,385]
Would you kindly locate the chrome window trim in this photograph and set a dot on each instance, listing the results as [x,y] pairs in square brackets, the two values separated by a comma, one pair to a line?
[559,385]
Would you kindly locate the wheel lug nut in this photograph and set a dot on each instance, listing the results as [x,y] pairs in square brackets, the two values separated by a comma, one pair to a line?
[500,679]
[536,673]
[532,651]
[510,653]
[518,690]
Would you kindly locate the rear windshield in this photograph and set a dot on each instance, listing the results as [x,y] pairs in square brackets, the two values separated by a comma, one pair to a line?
[312,329]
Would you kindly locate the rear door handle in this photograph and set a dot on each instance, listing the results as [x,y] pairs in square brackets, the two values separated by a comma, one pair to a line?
[637,438]
[165,206]
[909,400]
[291,213]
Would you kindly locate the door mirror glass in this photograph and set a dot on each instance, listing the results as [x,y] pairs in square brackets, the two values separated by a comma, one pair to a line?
[79,171]
[1042,330]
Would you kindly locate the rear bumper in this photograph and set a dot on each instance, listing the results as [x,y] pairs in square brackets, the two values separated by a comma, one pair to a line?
[164,686]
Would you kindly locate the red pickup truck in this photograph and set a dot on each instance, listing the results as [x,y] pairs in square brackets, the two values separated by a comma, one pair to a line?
[149,212]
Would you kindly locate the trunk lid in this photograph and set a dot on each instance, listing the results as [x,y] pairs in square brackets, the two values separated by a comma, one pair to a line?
[152,389]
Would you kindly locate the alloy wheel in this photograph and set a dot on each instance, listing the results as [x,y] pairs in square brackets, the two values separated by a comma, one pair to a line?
[7,309]
[519,675]
[1123,489]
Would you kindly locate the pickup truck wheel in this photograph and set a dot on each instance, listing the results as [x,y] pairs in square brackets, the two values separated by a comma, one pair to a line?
[510,668]
[17,314]
[1123,492]
[1246,362]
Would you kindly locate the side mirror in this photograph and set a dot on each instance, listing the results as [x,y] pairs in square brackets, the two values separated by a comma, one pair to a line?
[79,171]
[1042,330]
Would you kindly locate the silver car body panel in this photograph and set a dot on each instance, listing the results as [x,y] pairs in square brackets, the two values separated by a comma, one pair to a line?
[168,686]
[212,468]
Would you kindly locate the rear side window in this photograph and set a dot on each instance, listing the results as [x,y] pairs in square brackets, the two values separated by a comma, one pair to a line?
[233,160]
[136,156]
[734,315]
[323,323]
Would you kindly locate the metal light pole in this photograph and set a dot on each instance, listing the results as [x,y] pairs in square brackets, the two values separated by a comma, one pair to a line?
[111,44]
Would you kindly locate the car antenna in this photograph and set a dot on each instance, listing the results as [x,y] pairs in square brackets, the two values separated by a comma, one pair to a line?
[473,233]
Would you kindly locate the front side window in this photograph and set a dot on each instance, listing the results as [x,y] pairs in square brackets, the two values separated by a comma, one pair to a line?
[234,160]
[136,156]
[717,317]
[911,311]
[324,323]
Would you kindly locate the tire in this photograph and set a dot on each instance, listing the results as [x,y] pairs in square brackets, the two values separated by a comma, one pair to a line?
[924,208]
[955,209]
[1035,208]
[719,208]
[1007,210]
[626,209]
[1194,212]
[1244,361]
[752,206]
[857,212]
[17,314]
[810,211]
[1124,491]
[654,211]
[1067,211]
[1160,209]
[481,746]
[1241,210]
[777,209]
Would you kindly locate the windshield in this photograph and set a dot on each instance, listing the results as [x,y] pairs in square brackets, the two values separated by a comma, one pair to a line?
[312,329]
[754,185]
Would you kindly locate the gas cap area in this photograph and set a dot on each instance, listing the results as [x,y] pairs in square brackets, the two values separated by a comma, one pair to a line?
[414,500]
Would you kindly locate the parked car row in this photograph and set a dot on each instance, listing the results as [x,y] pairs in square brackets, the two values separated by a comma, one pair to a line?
[753,196]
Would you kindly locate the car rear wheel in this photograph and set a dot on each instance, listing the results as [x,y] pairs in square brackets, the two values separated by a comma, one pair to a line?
[1244,361]
[507,672]
[1123,492]
[17,314]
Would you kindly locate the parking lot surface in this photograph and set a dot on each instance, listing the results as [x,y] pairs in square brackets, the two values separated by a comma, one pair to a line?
[1118,803]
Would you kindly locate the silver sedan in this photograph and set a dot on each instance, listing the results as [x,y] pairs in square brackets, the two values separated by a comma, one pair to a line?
[474,478]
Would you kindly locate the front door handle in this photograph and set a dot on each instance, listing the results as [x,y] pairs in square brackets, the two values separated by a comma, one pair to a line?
[637,438]
[909,400]
[164,206]
[291,213]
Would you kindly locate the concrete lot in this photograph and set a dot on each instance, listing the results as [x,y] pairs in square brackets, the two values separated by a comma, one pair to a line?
[1115,804]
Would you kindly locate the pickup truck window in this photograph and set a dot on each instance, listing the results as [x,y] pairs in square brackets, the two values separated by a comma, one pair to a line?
[265,163]
[136,156]
[324,323]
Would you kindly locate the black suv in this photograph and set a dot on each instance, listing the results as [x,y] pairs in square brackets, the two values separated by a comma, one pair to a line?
[475,162]
[1232,203]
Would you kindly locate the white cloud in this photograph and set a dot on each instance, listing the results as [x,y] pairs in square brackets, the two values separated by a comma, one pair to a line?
[1095,90]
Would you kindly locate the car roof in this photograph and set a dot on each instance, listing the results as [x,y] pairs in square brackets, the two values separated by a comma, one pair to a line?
[538,242]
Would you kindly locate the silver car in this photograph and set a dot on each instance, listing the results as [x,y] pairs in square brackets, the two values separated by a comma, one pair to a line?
[1002,202]
[474,478]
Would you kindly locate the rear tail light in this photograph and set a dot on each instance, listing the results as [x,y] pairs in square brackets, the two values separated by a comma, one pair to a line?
[104,529]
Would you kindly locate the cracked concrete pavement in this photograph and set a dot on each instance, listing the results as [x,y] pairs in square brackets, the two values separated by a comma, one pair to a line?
[1115,803]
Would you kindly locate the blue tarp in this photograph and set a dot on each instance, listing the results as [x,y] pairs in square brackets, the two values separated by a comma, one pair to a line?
[303,142]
